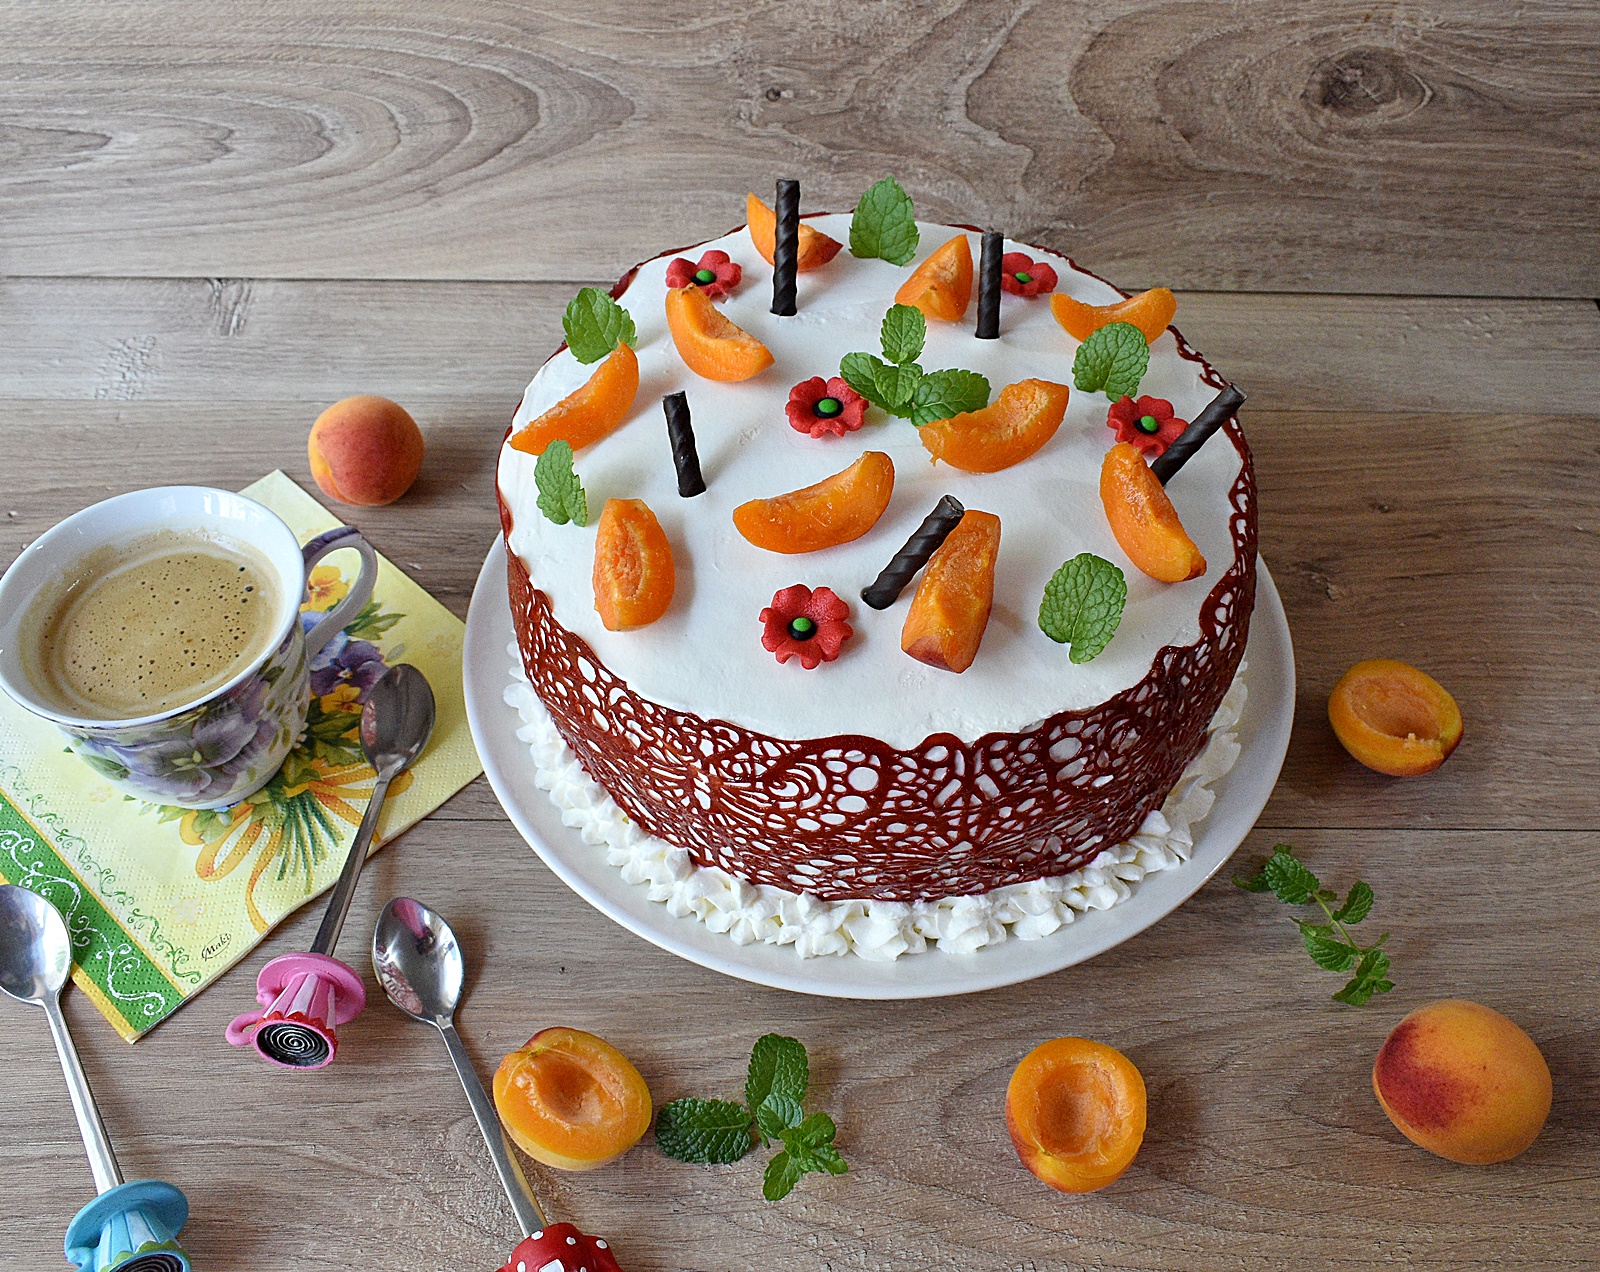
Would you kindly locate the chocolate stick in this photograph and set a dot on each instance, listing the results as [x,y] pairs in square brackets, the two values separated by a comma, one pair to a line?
[1213,417]
[684,456]
[933,531]
[994,247]
[786,248]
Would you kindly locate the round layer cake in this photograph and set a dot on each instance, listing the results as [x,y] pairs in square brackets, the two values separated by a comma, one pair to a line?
[876,777]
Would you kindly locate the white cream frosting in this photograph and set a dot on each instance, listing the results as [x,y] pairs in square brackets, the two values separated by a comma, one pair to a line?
[705,656]
[882,930]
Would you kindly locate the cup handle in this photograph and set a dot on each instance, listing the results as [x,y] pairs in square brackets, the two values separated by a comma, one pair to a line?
[238,1030]
[360,591]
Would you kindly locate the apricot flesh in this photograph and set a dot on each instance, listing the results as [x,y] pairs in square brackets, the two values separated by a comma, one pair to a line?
[709,342]
[634,577]
[1014,426]
[365,450]
[950,611]
[835,510]
[1394,718]
[1076,1113]
[571,1100]
[1464,1082]
[816,248]
[1149,311]
[590,411]
[942,285]
[1142,518]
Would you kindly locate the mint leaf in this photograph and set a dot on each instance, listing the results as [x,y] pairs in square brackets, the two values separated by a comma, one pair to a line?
[777,1114]
[1328,953]
[1289,878]
[884,224]
[1253,883]
[716,1131]
[1082,605]
[891,388]
[595,325]
[561,495]
[781,1175]
[1357,905]
[778,1066]
[810,1145]
[1370,978]
[1114,358]
[941,394]
[903,334]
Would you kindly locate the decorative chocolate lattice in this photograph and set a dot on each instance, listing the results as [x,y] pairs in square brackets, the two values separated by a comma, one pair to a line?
[850,816]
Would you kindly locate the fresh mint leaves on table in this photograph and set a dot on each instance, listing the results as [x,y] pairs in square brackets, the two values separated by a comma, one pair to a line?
[901,387]
[1114,359]
[561,496]
[884,224]
[1330,944]
[1082,605]
[595,325]
[722,1131]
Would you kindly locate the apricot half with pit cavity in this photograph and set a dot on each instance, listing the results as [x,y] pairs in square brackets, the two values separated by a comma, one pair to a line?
[571,1100]
[1394,718]
[1076,1113]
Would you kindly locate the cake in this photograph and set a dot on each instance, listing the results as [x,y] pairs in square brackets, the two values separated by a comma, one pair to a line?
[874,803]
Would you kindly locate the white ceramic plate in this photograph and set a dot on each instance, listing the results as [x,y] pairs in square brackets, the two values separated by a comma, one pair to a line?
[1241,794]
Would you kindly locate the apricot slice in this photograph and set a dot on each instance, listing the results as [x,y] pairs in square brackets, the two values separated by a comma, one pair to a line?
[942,285]
[1149,311]
[835,510]
[589,413]
[1394,718]
[1018,422]
[1464,1082]
[571,1100]
[708,342]
[1143,519]
[1076,1113]
[945,623]
[633,572]
[816,248]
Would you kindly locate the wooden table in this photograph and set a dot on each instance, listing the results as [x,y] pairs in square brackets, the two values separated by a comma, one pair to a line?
[218,218]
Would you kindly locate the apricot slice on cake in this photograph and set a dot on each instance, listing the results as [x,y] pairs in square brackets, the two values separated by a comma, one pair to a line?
[589,413]
[1076,1113]
[942,285]
[1017,423]
[571,1100]
[835,510]
[1149,311]
[633,572]
[1143,519]
[1464,1082]
[709,343]
[816,248]
[945,623]
[1394,718]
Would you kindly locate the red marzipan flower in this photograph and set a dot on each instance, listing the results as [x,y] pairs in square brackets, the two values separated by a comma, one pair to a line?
[1039,276]
[805,398]
[820,616]
[725,274]
[1128,416]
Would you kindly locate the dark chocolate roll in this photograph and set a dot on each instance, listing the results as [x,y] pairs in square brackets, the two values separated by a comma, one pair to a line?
[685,458]
[933,531]
[786,248]
[1216,413]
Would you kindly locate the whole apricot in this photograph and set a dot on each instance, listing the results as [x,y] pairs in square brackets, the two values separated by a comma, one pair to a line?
[1076,1113]
[365,450]
[571,1100]
[1464,1082]
[1394,718]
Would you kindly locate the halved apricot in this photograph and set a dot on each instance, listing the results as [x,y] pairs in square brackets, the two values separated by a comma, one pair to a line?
[816,248]
[835,510]
[709,343]
[1149,311]
[942,285]
[1023,418]
[633,572]
[589,413]
[945,623]
[1394,718]
[1143,519]
[1076,1113]
[571,1100]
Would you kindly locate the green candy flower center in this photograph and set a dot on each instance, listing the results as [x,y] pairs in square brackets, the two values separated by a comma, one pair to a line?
[1023,278]
[828,407]
[704,276]
[802,628]
[1149,424]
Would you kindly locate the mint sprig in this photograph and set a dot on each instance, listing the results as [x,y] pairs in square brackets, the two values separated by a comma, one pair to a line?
[595,325]
[1082,605]
[1330,944]
[722,1131]
[1113,358]
[884,224]
[901,387]
[561,494]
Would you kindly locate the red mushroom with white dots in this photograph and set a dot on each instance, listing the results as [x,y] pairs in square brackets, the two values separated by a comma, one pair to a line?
[562,1248]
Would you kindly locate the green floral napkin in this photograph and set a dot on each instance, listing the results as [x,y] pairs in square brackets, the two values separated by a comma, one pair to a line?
[162,901]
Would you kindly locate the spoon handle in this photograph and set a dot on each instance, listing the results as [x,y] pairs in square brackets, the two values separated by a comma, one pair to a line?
[529,1217]
[102,1161]
[345,889]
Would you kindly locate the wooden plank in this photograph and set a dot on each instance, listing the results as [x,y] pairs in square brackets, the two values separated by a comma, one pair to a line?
[285,341]
[1323,147]
[1264,1137]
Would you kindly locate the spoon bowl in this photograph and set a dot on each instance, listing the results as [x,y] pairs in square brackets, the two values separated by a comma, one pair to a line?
[397,719]
[417,960]
[35,950]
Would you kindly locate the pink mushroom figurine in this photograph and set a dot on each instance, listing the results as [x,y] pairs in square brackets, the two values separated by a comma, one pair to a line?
[561,1248]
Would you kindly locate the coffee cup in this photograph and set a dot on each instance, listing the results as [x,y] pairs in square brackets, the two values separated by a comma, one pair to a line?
[227,740]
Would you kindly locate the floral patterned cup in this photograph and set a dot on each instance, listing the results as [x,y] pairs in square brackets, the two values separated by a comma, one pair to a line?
[213,752]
